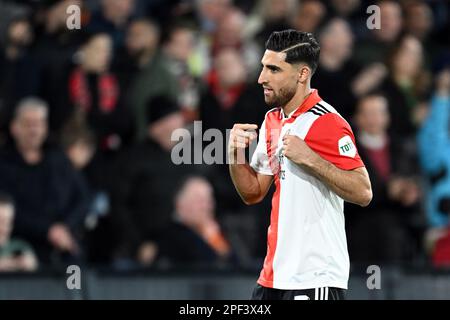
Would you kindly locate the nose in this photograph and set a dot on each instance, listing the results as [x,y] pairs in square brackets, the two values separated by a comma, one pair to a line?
[262,77]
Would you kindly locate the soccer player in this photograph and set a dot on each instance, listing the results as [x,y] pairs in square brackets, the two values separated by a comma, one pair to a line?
[309,150]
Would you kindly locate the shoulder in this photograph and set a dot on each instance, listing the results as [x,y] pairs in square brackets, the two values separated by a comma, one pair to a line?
[327,118]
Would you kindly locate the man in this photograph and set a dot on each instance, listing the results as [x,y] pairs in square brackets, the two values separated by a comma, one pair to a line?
[308,149]
[50,197]
[195,235]
[149,65]
[386,227]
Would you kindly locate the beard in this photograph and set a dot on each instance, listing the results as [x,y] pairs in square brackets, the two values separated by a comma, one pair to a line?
[281,98]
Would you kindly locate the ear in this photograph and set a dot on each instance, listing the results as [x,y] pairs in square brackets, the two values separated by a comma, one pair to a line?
[304,73]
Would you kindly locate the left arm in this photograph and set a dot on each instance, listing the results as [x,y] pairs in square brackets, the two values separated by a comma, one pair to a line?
[351,185]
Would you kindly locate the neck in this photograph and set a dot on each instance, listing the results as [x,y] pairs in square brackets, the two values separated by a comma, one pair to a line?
[30,155]
[372,140]
[302,93]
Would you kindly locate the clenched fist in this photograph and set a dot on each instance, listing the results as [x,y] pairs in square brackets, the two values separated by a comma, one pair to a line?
[241,136]
[296,150]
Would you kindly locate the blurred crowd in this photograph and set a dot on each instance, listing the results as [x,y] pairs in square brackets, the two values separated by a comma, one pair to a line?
[87,115]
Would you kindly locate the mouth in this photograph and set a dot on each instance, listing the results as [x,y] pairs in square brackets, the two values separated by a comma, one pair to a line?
[267,91]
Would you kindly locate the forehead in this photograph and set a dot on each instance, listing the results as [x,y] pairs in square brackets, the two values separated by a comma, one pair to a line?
[274,58]
[32,113]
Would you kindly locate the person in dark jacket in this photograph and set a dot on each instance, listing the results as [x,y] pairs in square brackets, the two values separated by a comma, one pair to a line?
[142,197]
[384,231]
[195,235]
[50,195]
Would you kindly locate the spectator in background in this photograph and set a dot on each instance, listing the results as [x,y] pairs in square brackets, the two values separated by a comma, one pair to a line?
[268,16]
[406,87]
[145,184]
[113,18]
[434,155]
[418,19]
[195,236]
[210,12]
[94,92]
[380,41]
[309,15]
[179,48]
[339,79]
[55,48]
[148,74]
[354,12]
[336,70]
[96,96]
[229,34]
[15,255]
[18,75]
[50,197]
[79,144]
[384,231]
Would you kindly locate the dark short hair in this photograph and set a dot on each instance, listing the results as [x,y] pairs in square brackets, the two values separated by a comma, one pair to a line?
[299,47]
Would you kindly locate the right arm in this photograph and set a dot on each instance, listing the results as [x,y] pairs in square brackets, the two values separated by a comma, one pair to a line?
[251,186]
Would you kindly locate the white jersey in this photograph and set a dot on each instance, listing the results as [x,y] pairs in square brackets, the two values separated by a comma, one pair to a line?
[307,245]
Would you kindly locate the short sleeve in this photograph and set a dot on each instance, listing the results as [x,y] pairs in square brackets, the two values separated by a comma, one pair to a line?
[332,138]
[260,159]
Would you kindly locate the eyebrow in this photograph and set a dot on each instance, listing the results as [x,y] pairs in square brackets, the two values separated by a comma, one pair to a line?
[271,67]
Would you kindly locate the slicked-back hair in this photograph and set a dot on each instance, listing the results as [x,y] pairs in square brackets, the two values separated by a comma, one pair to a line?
[299,47]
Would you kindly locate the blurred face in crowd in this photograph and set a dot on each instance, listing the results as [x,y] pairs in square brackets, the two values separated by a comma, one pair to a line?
[96,54]
[407,61]
[80,154]
[337,39]
[118,11]
[278,78]
[195,202]
[391,21]
[29,127]
[213,10]
[419,19]
[345,7]
[278,9]
[20,33]
[6,222]
[309,15]
[230,68]
[181,44]
[229,30]
[161,130]
[141,37]
[373,115]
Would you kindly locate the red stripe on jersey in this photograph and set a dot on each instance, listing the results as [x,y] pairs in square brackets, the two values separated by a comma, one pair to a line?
[273,130]
[323,138]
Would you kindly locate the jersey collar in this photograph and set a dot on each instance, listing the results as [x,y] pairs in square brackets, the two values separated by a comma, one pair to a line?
[307,104]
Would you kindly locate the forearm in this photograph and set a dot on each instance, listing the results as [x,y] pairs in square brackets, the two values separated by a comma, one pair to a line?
[245,180]
[351,186]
